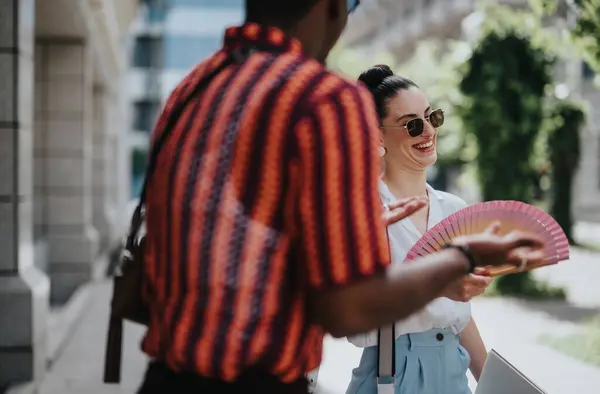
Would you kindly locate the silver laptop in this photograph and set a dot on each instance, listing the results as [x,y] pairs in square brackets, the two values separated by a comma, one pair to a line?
[500,377]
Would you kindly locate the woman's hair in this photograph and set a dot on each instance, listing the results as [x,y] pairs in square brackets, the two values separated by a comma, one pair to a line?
[383,85]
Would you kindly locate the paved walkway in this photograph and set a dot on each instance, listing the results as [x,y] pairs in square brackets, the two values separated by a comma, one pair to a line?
[79,368]
[509,326]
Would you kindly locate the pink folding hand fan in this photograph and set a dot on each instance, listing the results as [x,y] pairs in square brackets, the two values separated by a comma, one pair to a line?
[513,215]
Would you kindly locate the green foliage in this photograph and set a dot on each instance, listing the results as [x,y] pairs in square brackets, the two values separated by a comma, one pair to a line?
[568,120]
[532,290]
[502,20]
[583,345]
[544,7]
[585,29]
[347,61]
[504,86]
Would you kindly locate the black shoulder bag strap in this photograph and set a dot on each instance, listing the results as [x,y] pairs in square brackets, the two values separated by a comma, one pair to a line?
[137,219]
[386,352]
[386,359]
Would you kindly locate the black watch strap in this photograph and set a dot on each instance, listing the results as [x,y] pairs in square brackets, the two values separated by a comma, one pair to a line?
[466,251]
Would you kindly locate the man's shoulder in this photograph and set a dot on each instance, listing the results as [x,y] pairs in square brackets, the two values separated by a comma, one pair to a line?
[327,84]
[195,73]
[332,82]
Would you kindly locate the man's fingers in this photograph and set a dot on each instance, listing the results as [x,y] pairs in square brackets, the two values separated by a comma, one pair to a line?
[526,256]
[493,228]
[482,271]
[518,239]
[477,280]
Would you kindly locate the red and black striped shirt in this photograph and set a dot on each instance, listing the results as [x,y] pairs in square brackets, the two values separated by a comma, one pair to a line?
[265,189]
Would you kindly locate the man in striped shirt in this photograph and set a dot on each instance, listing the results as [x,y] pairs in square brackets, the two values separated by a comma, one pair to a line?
[264,227]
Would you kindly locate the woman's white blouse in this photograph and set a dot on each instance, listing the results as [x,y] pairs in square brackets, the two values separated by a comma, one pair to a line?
[441,312]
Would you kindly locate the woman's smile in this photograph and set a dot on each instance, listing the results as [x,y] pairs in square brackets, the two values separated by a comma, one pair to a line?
[425,147]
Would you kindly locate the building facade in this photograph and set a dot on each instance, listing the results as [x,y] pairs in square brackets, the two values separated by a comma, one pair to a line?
[64,165]
[170,37]
[397,26]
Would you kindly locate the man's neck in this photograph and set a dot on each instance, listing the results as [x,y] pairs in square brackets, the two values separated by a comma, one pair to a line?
[404,183]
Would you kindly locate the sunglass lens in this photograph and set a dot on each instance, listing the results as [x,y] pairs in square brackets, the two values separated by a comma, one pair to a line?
[352,4]
[415,127]
[436,118]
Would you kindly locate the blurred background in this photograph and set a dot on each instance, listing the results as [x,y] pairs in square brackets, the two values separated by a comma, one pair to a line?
[82,82]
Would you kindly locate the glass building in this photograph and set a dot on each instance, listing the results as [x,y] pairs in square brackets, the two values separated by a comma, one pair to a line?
[170,38]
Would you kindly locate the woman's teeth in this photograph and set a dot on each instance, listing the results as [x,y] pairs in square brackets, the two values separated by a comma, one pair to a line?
[424,145]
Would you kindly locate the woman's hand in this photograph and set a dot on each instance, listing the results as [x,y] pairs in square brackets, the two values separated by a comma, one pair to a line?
[401,209]
[468,287]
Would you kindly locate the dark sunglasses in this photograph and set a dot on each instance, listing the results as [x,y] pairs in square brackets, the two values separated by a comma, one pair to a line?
[352,4]
[415,126]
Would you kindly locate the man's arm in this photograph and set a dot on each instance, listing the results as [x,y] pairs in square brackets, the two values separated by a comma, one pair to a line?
[394,295]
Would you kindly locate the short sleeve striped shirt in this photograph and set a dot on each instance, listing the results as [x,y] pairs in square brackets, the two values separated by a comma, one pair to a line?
[265,189]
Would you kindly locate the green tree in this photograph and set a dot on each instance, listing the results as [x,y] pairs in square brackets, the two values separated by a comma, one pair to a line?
[585,29]
[504,86]
[349,62]
[568,119]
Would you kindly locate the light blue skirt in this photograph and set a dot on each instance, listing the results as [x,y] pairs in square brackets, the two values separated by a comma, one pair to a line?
[430,362]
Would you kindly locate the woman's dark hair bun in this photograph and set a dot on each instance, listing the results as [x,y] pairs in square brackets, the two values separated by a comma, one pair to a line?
[374,76]
[384,85]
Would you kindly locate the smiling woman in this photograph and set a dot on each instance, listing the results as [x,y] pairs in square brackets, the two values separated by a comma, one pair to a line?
[409,129]
[408,123]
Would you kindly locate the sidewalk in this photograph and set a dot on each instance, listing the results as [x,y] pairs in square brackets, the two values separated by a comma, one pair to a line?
[79,368]
[511,327]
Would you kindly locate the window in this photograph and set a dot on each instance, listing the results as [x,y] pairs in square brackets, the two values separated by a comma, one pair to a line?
[156,9]
[145,113]
[139,161]
[183,52]
[148,52]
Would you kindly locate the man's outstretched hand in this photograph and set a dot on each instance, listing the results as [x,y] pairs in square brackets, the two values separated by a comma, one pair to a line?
[491,249]
[401,209]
